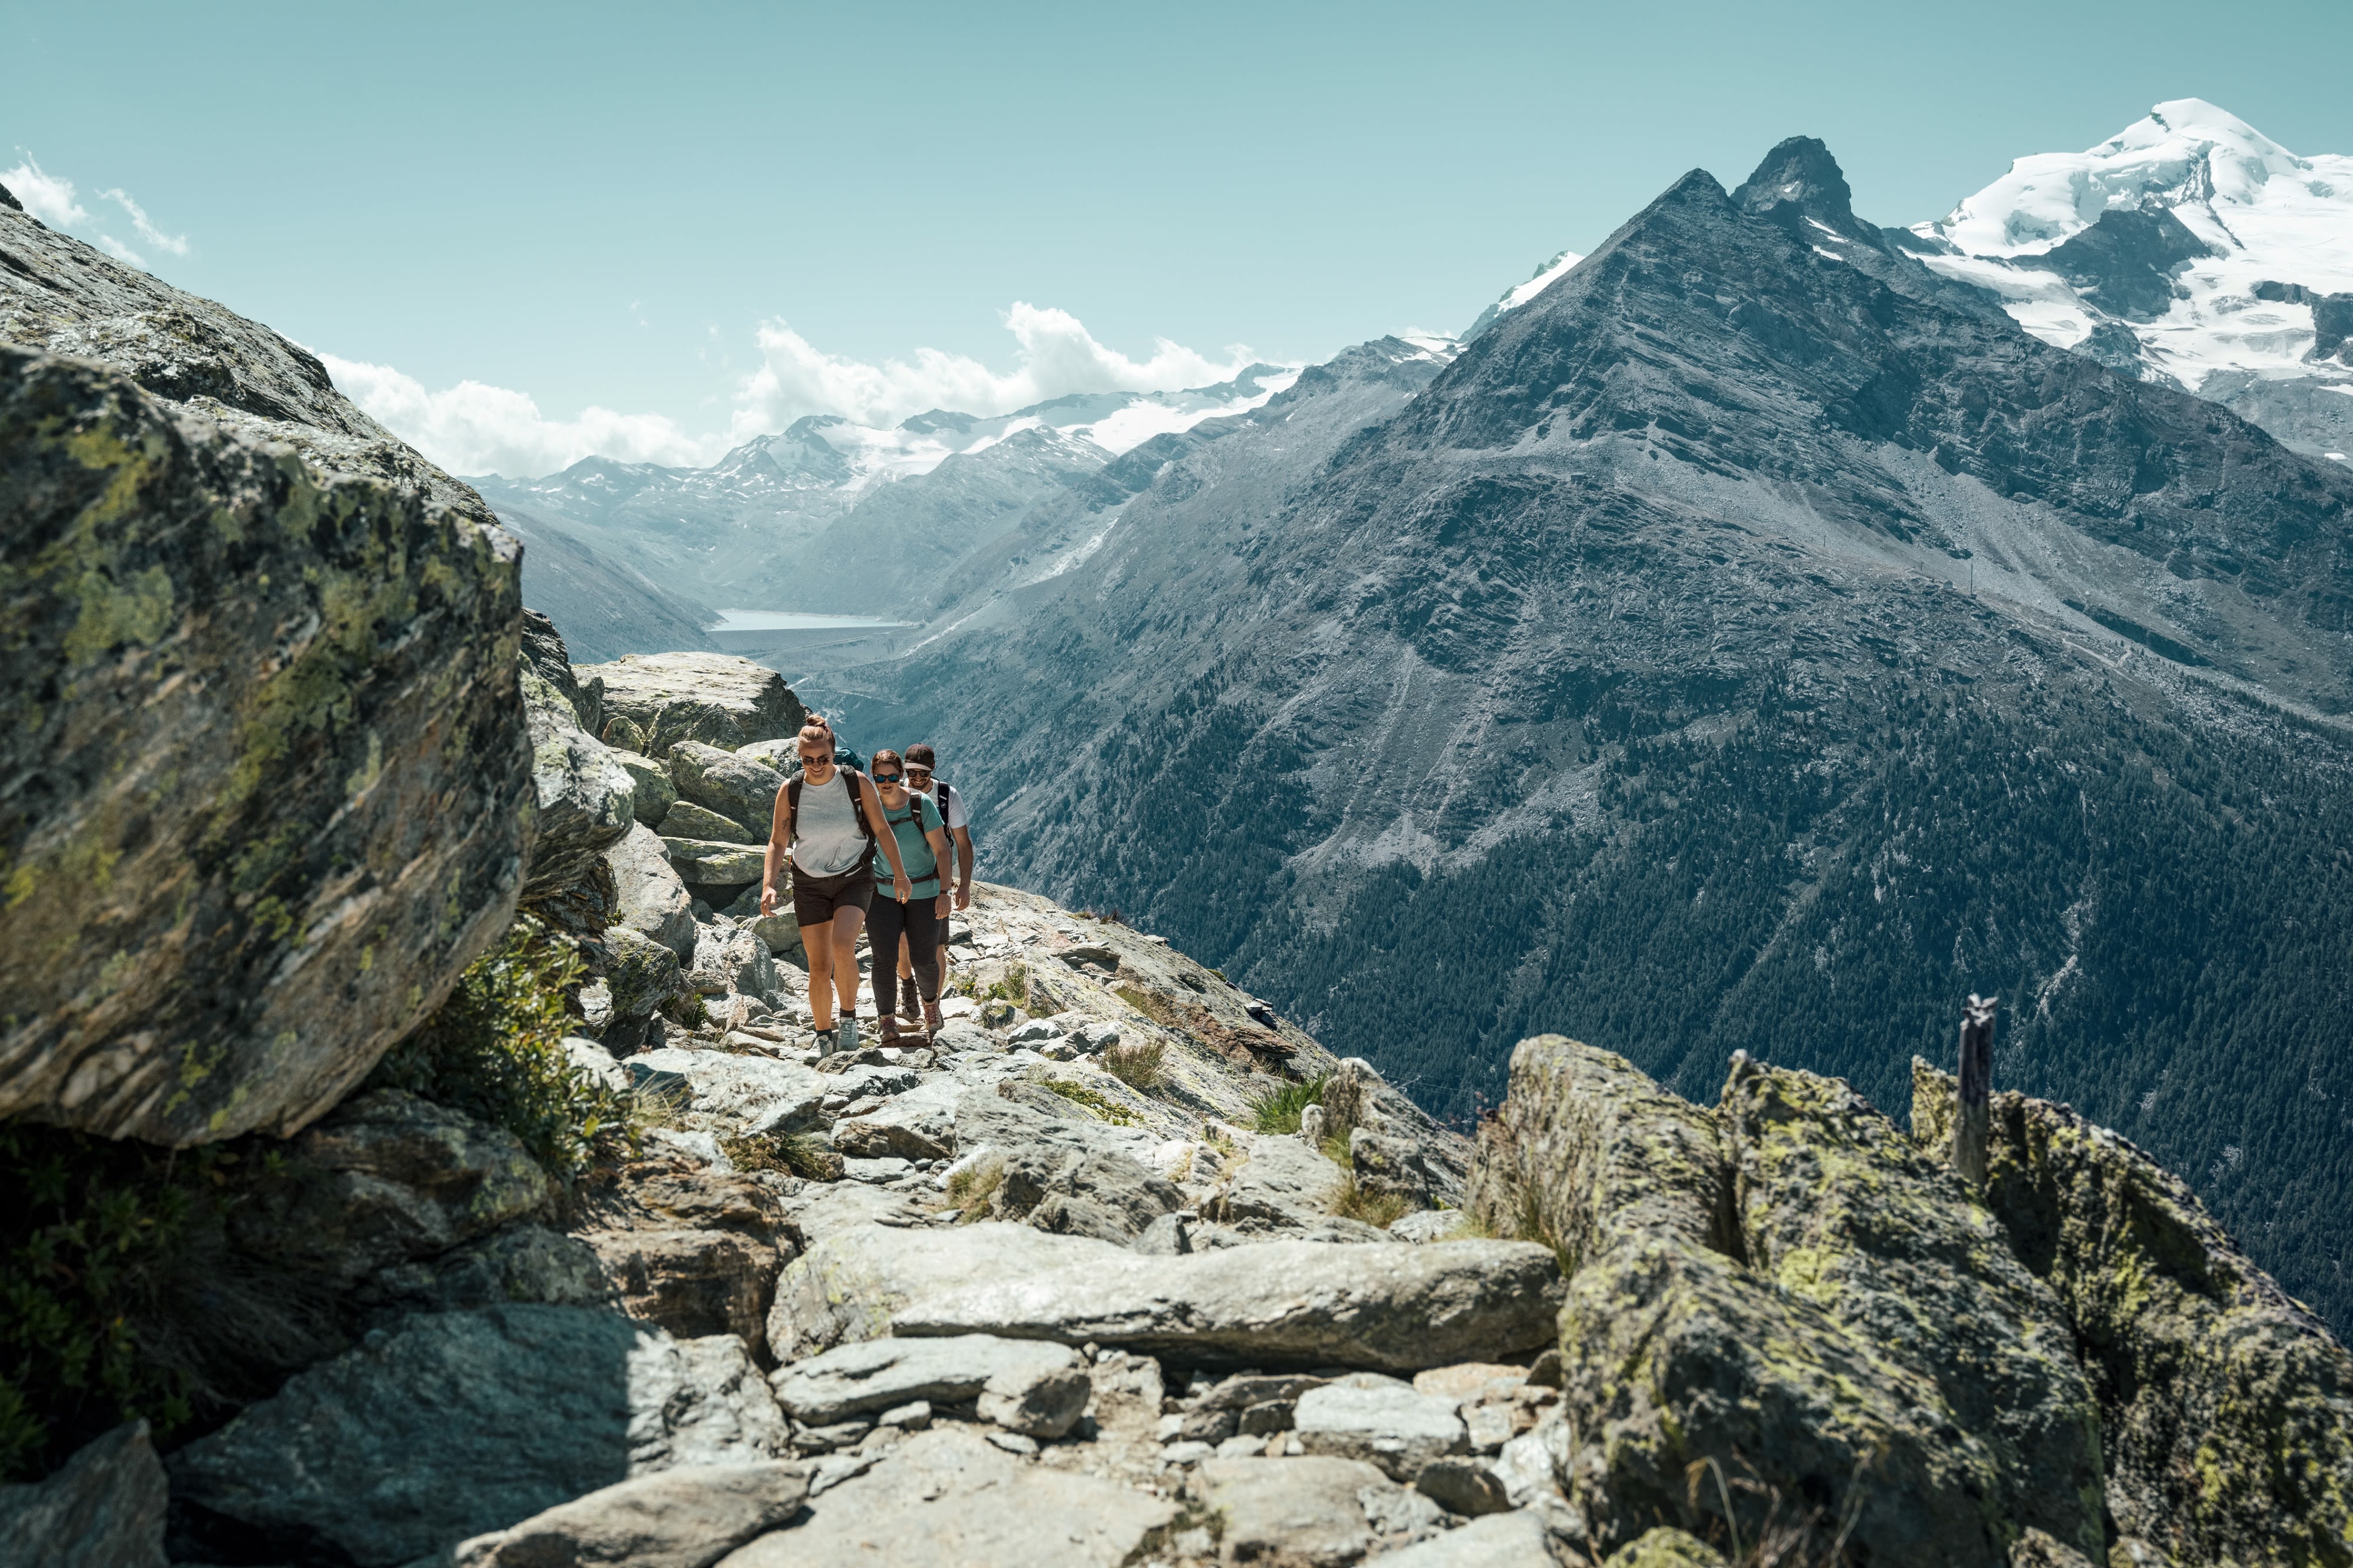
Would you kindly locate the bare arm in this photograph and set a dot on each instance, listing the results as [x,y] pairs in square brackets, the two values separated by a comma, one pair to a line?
[964,876]
[779,846]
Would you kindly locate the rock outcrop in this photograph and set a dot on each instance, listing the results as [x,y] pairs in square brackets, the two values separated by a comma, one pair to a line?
[2226,1408]
[712,699]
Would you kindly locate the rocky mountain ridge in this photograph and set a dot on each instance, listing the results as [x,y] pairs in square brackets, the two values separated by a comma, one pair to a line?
[1751,636]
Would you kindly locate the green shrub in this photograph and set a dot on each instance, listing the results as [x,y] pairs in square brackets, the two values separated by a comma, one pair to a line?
[1278,1110]
[495,1050]
[92,1228]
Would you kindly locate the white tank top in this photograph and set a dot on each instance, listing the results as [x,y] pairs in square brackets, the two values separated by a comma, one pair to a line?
[826,839]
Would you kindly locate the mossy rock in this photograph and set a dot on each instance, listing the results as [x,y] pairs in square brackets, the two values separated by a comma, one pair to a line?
[2226,1407]
[1666,1548]
[273,780]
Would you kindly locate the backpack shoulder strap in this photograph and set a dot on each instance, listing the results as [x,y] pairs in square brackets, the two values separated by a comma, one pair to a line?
[792,809]
[946,793]
[857,783]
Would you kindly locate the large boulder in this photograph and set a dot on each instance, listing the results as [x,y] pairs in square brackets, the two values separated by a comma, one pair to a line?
[686,820]
[270,781]
[948,1497]
[1284,1188]
[384,1178]
[1277,1304]
[652,900]
[845,1287]
[457,1424]
[708,866]
[710,698]
[693,1250]
[654,793]
[2226,1408]
[104,1509]
[736,789]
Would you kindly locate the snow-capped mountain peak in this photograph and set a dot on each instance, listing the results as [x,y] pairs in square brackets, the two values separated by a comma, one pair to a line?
[1519,294]
[2189,246]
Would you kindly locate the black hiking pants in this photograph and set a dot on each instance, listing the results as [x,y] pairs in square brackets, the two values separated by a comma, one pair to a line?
[886,922]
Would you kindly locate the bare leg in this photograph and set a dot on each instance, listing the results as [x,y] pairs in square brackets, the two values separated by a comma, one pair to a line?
[846,924]
[818,945]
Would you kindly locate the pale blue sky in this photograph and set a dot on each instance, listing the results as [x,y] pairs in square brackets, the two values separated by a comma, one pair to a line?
[600,204]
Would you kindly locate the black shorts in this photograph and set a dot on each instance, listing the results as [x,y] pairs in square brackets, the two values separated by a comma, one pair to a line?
[817,899]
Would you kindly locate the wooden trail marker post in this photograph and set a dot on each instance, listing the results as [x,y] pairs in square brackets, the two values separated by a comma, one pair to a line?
[1970,1126]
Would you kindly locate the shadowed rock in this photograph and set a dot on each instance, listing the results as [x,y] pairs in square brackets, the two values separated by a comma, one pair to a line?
[687,1518]
[104,1509]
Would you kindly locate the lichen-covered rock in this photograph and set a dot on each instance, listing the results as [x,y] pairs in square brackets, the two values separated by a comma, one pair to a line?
[1666,1548]
[709,697]
[2226,1407]
[703,865]
[587,801]
[655,791]
[1388,1166]
[735,789]
[642,973]
[1838,1207]
[652,900]
[270,773]
[544,654]
[1585,1150]
[384,1178]
[686,820]
[1675,1357]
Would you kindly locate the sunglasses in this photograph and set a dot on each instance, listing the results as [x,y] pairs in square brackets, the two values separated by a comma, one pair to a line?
[813,757]
[886,778]
[913,773]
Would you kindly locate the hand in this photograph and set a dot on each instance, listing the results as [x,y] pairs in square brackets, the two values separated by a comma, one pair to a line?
[940,906]
[767,901]
[901,888]
[964,896]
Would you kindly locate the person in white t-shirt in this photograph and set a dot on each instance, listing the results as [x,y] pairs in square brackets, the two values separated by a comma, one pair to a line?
[922,776]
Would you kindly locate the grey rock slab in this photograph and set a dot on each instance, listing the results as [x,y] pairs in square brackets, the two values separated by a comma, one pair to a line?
[1302,1510]
[706,863]
[919,1123]
[1395,1428]
[689,1516]
[1105,1194]
[748,1093]
[1276,1304]
[1044,1402]
[1498,1541]
[457,1424]
[850,1282]
[654,902]
[591,1058]
[103,1509]
[948,1496]
[1429,1225]
[728,961]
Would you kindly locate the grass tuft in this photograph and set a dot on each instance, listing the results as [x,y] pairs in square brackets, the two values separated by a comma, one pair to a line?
[1351,1202]
[794,1154]
[1094,1102]
[972,1190]
[1278,1110]
[1141,1066]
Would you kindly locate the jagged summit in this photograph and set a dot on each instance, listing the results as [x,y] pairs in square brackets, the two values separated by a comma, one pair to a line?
[1799,180]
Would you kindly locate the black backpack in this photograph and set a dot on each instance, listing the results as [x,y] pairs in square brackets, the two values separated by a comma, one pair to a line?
[856,781]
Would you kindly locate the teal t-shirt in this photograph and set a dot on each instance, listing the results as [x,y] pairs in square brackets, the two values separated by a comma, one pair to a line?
[910,825]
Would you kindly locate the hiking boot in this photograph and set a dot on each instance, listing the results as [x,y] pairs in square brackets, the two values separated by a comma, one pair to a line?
[908,1012]
[931,1017]
[821,1042]
[887,1028]
[845,1034]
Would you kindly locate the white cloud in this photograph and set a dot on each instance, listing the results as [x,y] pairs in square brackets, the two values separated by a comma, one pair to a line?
[1057,356]
[45,195]
[52,199]
[177,244]
[474,428]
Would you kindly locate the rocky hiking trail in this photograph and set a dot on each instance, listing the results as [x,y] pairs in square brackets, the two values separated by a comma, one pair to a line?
[542,1236]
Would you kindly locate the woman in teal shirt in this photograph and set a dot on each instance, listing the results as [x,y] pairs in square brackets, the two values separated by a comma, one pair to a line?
[923,845]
